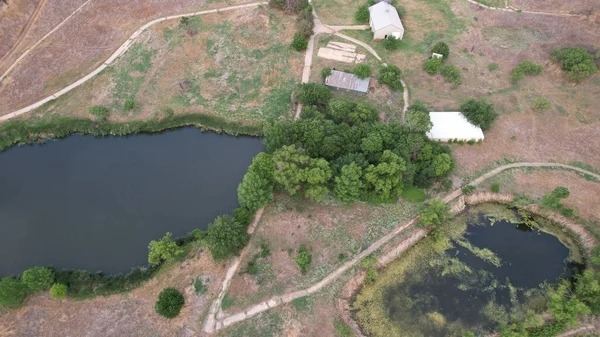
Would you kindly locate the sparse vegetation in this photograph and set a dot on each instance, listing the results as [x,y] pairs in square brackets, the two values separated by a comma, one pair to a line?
[362,15]
[493,67]
[98,111]
[325,72]
[451,74]
[541,104]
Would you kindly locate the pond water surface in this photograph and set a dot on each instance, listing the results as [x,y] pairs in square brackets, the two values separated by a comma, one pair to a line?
[95,203]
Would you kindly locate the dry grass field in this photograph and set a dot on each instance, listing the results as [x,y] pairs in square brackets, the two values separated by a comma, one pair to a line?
[557,6]
[79,46]
[236,65]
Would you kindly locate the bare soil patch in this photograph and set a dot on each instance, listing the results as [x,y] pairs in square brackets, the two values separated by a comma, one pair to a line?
[93,34]
[129,314]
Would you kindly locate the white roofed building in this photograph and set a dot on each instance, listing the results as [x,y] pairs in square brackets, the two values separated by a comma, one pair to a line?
[385,21]
[453,125]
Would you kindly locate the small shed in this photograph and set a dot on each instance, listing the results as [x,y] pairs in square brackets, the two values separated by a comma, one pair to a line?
[348,82]
[453,125]
[385,21]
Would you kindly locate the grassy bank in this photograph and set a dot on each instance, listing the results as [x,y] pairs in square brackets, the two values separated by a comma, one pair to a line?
[36,130]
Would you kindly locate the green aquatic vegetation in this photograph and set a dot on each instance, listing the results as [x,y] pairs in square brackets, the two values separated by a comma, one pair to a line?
[482,253]
[495,312]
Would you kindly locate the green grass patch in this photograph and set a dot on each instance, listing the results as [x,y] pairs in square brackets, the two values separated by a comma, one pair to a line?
[414,194]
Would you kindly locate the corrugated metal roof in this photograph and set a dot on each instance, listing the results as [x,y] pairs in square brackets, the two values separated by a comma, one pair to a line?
[383,15]
[452,125]
[342,80]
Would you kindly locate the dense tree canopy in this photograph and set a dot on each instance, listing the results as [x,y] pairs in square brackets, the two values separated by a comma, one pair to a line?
[38,278]
[12,292]
[256,188]
[164,249]
[417,118]
[226,236]
[349,185]
[434,214]
[576,61]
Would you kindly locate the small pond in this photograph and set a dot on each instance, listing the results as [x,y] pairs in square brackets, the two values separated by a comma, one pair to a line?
[95,203]
[492,267]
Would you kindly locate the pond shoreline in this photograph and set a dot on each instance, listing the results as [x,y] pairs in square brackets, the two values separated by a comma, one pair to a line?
[584,240]
[28,131]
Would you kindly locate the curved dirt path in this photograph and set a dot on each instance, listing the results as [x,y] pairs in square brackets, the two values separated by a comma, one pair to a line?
[509,8]
[226,321]
[14,64]
[30,22]
[120,51]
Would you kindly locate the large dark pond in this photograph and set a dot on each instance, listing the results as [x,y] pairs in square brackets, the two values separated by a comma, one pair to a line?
[95,203]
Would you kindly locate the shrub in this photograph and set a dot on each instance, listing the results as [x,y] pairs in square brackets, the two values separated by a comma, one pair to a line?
[391,43]
[435,213]
[325,72]
[341,329]
[12,292]
[595,258]
[400,9]
[305,23]
[577,62]
[163,250]
[313,94]
[362,15]
[98,111]
[371,277]
[469,189]
[441,48]
[38,278]
[525,68]
[479,113]
[493,66]
[303,259]
[58,290]
[541,104]
[432,65]
[451,74]
[169,303]
[129,105]
[226,236]
[390,75]
[299,43]
[495,188]
[362,70]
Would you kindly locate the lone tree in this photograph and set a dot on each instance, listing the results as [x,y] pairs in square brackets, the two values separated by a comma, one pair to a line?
[169,303]
[479,113]
[164,249]
[434,214]
[38,278]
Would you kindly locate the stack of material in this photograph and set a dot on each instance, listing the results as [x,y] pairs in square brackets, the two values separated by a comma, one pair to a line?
[343,52]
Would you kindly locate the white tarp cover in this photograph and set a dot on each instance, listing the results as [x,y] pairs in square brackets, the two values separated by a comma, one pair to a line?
[383,15]
[452,125]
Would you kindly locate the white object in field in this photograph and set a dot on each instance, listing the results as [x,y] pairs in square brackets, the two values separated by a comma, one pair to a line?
[385,21]
[436,55]
[453,125]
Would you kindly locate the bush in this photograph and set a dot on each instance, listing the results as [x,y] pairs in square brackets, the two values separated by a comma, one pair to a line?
[129,105]
[391,43]
[99,111]
[169,303]
[303,259]
[525,68]
[58,290]
[469,189]
[362,15]
[371,277]
[441,48]
[313,94]
[493,66]
[434,214]
[495,188]
[38,278]
[577,62]
[226,236]
[325,72]
[451,74]
[163,250]
[305,23]
[12,292]
[341,329]
[479,113]
[432,65]
[362,70]
[391,75]
[299,43]
[541,104]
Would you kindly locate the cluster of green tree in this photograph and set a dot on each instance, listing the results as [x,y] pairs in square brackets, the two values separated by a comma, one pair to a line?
[434,65]
[14,289]
[577,62]
[340,146]
[528,68]
[553,201]
[305,25]
[567,303]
